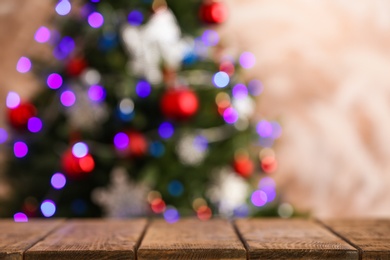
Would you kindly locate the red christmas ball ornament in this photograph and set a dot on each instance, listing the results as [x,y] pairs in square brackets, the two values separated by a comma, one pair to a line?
[213,12]
[243,165]
[75,66]
[75,167]
[179,104]
[138,145]
[18,117]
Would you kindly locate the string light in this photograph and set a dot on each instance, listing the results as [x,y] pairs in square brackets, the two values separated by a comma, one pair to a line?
[95,20]
[121,141]
[3,135]
[166,130]
[63,7]
[68,98]
[135,18]
[264,128]
[175,188]
[259,198]
[156,149]
[247,60]
[143,89]
[210,38]
[80,150]
[20,217]
[58,181]
[96,93]
[34,124]
[20,149]
[48,208]
[42,35]
[221,79]
[230,115]
[240,91]
[255,87]
[12,100]
[23,65]
[54,81]
[171,215]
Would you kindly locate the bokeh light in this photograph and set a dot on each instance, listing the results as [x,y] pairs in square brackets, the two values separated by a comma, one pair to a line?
[276,130]
[95,20]
[126,106]
[68,98]
[48,208]
[121,141]
[259,198]
[91,76]
[204,213]
[221,79]
[23,65]
[156,149]
[13,100]
[143,89]
[255,87]
[158,205]
[20,217]
[64,47]
[171,215]
[166,130]
[269,164]
[34,124]
[20,149]
[80,150]
[63,7]
[230,115]
[198,202]
[96,93]
[240,91]
[135,18]
[247,60]
[201,143]
[3,135]
[42,35]
[285,210]
[175,188]
[264,128]
[87,164]
[210,38]
[54,81]
[58,181]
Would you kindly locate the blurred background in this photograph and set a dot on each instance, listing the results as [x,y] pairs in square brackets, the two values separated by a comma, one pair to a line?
[325,68]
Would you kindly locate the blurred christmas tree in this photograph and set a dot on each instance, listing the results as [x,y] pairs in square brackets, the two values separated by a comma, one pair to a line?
[142,112]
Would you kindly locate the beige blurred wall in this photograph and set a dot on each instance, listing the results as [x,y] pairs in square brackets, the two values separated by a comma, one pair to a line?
[325,66]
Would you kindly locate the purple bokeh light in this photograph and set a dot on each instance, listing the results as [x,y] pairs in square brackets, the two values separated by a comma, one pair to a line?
[64,47]
[266,181]
[58,181]
[276,130]
[166,130]
[20,149]
[68,98]
[63,7]
[3,135]
[34,124]
[23,65]
[221,79]
[143,88]
[95,20]
[80,150]
[255,87]
[259,198]
[96,93]
[13,100]
[135,18]
[270,192]
[121,141]
[264,128]
[20,217]
[230,115]
[42,35]
[201,143]
[210,38]
[171,215]
[247,60]
[240,91]
[48,208]
[54,81]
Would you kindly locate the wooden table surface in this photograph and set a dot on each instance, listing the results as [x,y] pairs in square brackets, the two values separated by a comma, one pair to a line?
[190,238]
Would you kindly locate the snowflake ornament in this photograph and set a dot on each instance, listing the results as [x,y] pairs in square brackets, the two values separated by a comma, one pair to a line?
[229,191]
[123,198]
[153,43]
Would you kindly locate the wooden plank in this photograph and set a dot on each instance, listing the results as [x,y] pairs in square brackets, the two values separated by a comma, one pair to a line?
[191,239]
[291,239]
[371,236]
[16,238]
[91,239]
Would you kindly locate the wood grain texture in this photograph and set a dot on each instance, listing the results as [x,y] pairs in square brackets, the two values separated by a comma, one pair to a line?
[91,239]
[371,236]
[291,239]
[16,238]
[191,239]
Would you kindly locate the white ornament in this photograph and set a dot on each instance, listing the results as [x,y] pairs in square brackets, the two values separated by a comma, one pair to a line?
[122,198]
[228,191]
[157,41]
[192,149]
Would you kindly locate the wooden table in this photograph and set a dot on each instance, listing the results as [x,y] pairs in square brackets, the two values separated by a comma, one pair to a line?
[193,239]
